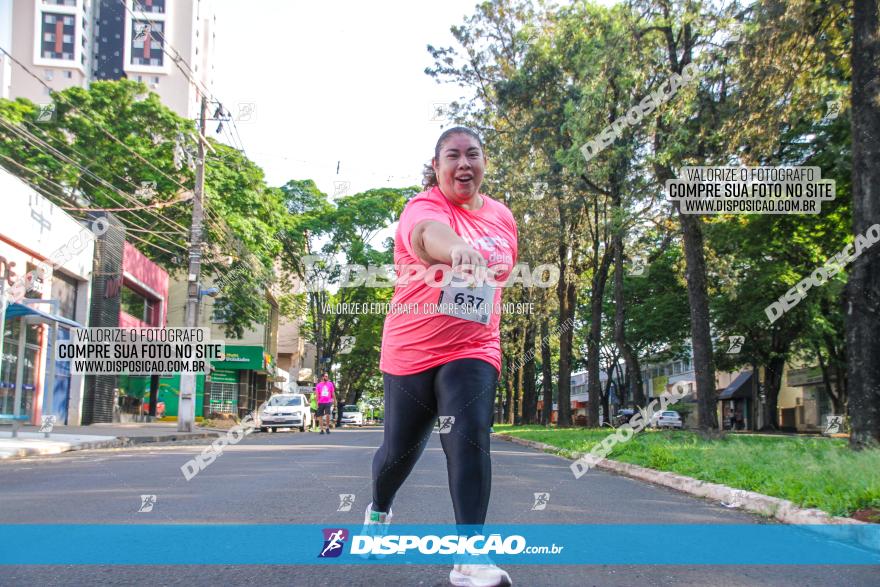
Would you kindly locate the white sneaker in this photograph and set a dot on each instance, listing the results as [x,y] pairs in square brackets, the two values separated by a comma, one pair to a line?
[375,524]
[479,575]
[373,518]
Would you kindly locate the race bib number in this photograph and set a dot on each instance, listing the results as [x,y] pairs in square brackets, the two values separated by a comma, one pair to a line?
[473,303]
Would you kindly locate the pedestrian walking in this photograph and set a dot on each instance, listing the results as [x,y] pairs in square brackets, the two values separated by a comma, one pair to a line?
[446,363]
[326,392]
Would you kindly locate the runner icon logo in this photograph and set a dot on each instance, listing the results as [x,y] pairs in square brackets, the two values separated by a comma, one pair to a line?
[147,503]
[541,500]
[346,500]
[446,423]
[334,540]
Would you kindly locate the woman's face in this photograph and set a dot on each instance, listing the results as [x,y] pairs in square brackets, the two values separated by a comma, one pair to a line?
[460,167]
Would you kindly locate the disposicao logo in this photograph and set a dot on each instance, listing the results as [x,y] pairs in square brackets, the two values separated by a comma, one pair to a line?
[334,540]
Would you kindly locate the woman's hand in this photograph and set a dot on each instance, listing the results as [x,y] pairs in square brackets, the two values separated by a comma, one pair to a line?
[466,260]
[465,254]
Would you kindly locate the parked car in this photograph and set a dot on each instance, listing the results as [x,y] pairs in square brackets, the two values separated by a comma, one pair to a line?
[623,416]
[351,415]
[669,419]
[284,410]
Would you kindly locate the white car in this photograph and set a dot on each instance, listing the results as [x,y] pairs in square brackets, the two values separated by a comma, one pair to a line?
[285,410]
[351,415]
[669,419]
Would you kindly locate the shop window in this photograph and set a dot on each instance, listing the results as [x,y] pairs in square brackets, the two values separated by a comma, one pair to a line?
[137,305]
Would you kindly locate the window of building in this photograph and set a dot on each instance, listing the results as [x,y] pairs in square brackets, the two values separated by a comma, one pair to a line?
[60,2]
[150,6]
[49,75]
[65,289]
[58,33]
[137,305]
[146,42]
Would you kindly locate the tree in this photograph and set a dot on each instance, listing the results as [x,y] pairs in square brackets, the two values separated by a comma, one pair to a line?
[116,146]
[863,288]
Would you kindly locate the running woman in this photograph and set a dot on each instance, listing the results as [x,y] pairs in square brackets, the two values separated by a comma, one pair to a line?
[446,363]
[326,392]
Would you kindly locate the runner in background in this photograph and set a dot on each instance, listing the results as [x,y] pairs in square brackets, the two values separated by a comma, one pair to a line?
[326,392]
[446,363]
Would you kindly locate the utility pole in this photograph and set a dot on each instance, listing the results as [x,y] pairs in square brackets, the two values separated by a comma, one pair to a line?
[186,409]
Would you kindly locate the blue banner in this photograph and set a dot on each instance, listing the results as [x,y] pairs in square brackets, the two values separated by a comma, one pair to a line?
[269,544]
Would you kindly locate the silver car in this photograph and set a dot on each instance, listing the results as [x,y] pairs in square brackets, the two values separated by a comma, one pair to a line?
[669,419]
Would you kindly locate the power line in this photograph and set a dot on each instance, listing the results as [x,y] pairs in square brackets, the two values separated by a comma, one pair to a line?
[178,59]
[48,195]
[97,124]
[38,143]
[116,175]
[64,188]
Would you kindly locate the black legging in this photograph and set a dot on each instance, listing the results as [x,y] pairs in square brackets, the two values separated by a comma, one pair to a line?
[465,389]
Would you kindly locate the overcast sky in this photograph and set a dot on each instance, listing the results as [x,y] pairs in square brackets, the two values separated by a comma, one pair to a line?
[336,82]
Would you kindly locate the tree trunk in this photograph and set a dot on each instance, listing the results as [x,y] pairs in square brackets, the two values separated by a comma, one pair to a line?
[863,288]
[567,301]
[701,335]
[600,278]
[546,372]
[530,398]
[634,378]
[508,397]
[772,384]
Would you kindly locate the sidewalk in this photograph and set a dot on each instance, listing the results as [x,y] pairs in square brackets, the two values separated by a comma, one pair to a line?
[31,442]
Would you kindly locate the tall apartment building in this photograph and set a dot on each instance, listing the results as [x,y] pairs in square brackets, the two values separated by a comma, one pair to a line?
[74,42]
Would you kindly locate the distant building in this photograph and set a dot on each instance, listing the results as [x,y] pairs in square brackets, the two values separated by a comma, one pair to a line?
[70,43]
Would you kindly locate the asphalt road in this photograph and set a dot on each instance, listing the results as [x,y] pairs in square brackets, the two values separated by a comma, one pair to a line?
[291,477]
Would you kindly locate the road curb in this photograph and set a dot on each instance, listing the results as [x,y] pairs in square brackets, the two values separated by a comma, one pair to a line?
[118,442]
[781,510]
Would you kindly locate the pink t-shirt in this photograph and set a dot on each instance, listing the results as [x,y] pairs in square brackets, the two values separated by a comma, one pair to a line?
[414,341]
[325,391]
